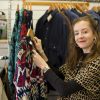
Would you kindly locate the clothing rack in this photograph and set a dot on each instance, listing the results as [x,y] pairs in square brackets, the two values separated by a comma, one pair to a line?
[52,2]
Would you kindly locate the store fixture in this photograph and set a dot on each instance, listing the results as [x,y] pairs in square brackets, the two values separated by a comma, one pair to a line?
[49,3]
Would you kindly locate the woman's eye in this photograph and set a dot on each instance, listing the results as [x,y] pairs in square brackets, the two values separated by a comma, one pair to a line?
[76,33]
[84,32]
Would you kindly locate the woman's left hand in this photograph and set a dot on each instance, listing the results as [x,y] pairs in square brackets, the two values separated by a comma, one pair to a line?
[38,60]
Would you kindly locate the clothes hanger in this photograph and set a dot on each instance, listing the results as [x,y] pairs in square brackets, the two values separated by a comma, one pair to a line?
[30,6]
[95,9]
[60,6]
[24,4]
[57,6]
[30,33]
[17,7]
[79,8]
[50,8]
[65,6]
[68,6]
[27,6]
[85,7]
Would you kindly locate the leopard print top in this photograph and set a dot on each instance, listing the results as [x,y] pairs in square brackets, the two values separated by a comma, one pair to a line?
[87,76]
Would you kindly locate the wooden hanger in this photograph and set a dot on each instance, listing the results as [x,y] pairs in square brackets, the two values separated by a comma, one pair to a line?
[17,7]
[30,6]
[98,8]
[53,6]
[65,6]
[23,4]
[50,8]
[95,8]
[69,6]
[27,6]
[61,6]
[79,8]
[57,6]
[30,33]
[85,7]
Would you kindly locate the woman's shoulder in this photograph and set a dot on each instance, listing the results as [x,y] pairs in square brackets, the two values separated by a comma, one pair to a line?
[67,72]
[63,68]
[96,60]
[93,60]
[89,76]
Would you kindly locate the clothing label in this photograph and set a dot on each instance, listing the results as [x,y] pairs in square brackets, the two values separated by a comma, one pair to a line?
[49,17]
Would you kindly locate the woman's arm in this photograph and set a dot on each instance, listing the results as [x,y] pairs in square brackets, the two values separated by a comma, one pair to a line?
[64,88]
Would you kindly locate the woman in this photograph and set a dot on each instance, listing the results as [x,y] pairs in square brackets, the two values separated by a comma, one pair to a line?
[82,68]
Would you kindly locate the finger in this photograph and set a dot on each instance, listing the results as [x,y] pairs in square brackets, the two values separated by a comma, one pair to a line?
[36,39]
[34,52]
[34,55]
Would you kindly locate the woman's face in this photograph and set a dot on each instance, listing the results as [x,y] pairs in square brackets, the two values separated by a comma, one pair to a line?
[84,36]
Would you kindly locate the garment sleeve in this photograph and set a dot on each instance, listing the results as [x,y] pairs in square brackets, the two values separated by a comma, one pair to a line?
[64,88]
[89,77]
[62,69]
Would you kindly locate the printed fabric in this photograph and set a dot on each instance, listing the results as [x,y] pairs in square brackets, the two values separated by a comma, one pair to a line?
[28,79]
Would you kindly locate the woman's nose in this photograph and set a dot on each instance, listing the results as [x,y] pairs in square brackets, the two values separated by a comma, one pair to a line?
[80,35]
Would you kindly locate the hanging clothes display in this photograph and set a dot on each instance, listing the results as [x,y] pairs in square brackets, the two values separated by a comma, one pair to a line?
[28,79]
[53,29]
[53,36]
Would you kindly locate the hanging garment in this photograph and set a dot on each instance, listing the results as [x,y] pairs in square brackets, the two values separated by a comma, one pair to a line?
[54,31]
[26,23]
[28,79]
[96,17]
[34,78]
[80,14]
[71,15]
[54,35]
[13,52]
[19,30]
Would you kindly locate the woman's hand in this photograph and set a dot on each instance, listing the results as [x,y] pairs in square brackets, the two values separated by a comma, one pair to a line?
[39,61]
[38,44]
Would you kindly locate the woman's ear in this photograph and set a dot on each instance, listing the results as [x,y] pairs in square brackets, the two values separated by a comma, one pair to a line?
[95,40]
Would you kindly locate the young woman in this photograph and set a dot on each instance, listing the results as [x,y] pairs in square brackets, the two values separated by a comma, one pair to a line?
[82,68]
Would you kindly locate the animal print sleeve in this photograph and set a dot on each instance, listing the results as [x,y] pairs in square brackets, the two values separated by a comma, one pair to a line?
[89,77]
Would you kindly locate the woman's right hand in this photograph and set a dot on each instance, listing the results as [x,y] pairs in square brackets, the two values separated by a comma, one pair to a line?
[39,61]
[38,44]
